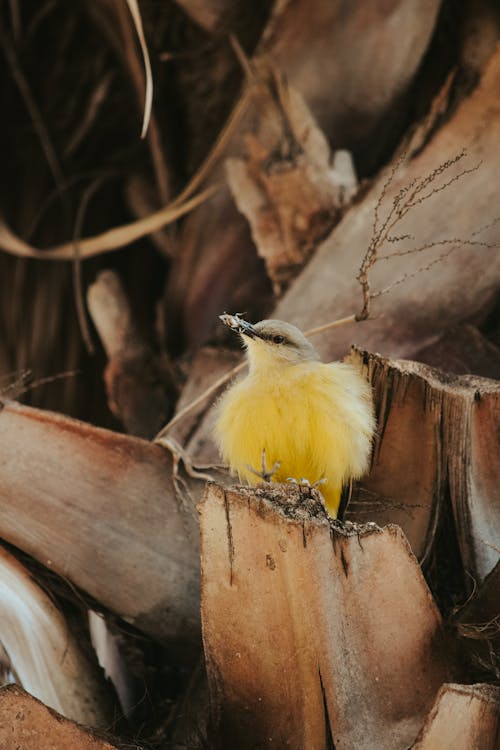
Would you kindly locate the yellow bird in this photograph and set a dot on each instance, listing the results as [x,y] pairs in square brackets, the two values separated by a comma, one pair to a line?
[309,419]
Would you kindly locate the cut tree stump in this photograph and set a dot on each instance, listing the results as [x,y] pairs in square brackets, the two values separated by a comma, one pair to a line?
[464,717]
[313,628]
[99,508]
[438,436]
[26,724]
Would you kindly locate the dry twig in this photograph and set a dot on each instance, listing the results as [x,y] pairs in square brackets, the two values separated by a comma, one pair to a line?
[148,97]
[408,197]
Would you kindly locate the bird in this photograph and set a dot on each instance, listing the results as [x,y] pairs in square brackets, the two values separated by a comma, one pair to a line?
[301,417]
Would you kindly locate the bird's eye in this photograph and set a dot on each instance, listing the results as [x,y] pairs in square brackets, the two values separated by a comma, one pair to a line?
[279,339]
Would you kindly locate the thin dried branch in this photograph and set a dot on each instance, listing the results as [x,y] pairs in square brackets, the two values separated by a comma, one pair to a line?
[408,197]
[26,383]
[89,116]
[456,241]
[331,325]
[135,68]
[148,97]
[212,390]
[112,239]
[412,203]
[406,276]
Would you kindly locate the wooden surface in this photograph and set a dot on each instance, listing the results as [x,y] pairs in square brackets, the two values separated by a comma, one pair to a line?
[438,441]
[26,724]
[464,717]
[99,508]
[312,629]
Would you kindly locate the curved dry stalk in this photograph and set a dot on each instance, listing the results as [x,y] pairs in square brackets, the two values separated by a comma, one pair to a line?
[118,237]
[148,94]
[334,324]
[199,400]
[112,239]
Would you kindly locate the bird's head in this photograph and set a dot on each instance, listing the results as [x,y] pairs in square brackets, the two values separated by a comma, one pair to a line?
[271,343]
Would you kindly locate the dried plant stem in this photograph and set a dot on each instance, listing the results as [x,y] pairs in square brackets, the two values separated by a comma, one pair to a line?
[218,148]
[118,237]
[334,324]
[24,383]
[148,94]
[408,197]
[143,89]
[200,399]
[113,239]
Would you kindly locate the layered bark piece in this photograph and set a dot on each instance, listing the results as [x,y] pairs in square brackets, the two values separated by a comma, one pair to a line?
[301,617]
[438,435]
[98,508]
[286,186]
[44,654]
[348,62]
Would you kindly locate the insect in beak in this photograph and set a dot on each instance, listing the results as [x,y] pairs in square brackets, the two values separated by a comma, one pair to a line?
[238,325]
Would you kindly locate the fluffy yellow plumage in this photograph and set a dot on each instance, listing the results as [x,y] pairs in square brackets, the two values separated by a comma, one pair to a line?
[315,419]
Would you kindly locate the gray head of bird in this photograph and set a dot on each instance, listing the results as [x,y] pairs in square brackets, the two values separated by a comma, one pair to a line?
[272,343]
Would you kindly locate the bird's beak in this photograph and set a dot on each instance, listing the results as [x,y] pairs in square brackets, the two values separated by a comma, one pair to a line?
[238,325]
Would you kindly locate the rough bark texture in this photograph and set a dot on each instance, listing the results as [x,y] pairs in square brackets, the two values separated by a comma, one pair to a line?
[463,717]
[332,53]
[300,624]
[26,724]
[437,437]
[100,507]
[456,288]
[287,188]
